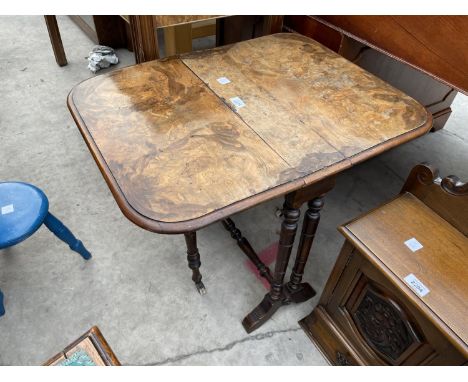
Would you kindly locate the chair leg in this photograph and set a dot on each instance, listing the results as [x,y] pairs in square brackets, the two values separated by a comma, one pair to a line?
[64,234]
[2,307]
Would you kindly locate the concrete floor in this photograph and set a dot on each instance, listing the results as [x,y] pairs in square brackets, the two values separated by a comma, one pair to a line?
[137,287]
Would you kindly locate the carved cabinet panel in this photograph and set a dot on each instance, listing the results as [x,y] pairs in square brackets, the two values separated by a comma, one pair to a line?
[363,319]
[384,325]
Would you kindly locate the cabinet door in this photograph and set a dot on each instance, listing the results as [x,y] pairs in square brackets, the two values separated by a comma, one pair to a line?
[384,328]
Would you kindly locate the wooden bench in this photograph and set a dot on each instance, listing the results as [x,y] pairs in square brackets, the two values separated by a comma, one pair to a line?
[398,294]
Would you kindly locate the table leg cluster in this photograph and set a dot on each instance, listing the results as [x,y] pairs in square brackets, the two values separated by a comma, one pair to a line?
[294,291]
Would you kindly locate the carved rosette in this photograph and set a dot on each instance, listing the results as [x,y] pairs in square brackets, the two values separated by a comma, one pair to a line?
[384,325]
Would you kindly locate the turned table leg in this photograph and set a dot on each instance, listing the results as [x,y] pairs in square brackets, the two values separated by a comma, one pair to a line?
[275,298]
[245,246]
[296,290]
[194,263]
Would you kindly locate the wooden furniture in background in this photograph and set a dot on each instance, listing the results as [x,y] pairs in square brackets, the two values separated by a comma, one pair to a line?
[180,30]
[369,312]
[109,30]
[91,349]
[181,148]
[424,56]
[138,33]
[112,31]
[144,39]
[56,40]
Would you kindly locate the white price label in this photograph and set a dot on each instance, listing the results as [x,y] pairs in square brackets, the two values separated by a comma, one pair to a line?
[415,284]
[223,80]
[413,244]
[8,209]
[237,102]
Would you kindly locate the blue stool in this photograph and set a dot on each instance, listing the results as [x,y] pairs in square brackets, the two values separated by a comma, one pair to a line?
[23,209]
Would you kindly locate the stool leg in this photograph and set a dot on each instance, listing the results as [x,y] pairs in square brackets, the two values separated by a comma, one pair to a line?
[64,234]
[2,307]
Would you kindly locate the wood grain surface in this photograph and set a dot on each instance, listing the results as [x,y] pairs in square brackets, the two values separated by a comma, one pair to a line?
[435,44]
[162,21]
[178,155]
[441,265]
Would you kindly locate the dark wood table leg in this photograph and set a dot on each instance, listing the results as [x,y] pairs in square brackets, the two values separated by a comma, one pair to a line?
[245,246]
[56,40]
[295,291]
[298,291]
[194,263]
[275,298]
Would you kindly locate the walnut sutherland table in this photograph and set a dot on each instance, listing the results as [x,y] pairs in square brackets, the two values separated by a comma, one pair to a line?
[188,141]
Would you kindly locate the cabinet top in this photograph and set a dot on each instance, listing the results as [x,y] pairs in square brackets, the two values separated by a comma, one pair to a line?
[423,251]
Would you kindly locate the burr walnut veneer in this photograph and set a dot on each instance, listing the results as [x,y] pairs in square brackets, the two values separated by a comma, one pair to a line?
[178,152]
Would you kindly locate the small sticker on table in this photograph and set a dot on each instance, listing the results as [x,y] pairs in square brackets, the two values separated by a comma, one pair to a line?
[413,244]
[8,209]
[238,103]
[417,286]
[223,80]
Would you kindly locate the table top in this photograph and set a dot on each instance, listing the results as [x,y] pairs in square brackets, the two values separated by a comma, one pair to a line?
[179,152]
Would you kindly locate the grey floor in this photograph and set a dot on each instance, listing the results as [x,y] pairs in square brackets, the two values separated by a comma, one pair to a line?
[137,287]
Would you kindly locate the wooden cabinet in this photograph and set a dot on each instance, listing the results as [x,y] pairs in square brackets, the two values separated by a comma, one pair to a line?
[369,314]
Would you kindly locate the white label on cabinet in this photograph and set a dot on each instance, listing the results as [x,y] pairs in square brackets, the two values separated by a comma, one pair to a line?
[238,103]
[8,209]
[420,289]
[223,80]
[413,244]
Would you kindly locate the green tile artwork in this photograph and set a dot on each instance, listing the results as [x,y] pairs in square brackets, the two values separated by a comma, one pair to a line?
[78,358]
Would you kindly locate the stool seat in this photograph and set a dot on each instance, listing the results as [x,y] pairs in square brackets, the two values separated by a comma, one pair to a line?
[23,208]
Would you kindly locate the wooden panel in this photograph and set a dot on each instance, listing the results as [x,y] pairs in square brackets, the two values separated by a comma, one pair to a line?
[328,338]
[177,155]
[434,44]
[203,29]
[335,109]
[441,264]
[177,39]
[273,24]
[163,21]
[59,358]
[144,40]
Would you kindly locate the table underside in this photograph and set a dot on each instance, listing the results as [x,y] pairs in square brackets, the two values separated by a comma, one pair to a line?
[178,155]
